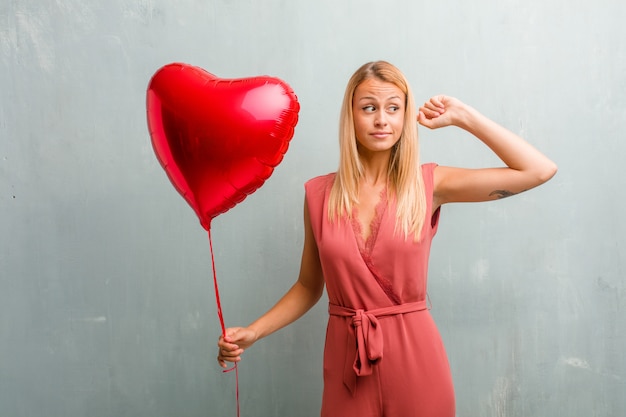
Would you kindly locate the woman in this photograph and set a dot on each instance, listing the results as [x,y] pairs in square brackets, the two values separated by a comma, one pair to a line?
[368,230]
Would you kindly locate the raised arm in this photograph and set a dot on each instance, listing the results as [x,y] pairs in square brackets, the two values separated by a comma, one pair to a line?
[526,167]
[303,295]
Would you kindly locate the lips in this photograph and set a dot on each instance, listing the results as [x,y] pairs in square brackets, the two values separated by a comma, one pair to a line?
[380,135]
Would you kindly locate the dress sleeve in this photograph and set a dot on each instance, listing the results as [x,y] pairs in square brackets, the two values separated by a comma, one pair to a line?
[428,171]
[316,190]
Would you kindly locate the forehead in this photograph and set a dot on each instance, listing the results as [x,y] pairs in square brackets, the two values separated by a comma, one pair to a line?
[375,88]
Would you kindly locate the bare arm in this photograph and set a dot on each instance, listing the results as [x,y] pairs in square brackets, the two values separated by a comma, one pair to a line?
[526,167]
[299,299]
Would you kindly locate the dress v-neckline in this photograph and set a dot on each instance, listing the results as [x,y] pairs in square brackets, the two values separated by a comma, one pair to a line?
[367,245]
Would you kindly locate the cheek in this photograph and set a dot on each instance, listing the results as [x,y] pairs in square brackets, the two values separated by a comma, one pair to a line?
[359,125]
[399,122]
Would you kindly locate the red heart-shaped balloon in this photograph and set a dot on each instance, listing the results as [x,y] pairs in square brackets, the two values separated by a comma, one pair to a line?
[218,139]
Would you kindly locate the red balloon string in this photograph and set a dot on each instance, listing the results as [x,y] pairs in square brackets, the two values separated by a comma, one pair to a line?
[221,317]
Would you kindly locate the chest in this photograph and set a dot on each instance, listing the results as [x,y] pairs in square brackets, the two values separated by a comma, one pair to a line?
[368,212]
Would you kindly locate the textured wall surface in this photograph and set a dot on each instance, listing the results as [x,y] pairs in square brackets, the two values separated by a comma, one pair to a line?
[106,300]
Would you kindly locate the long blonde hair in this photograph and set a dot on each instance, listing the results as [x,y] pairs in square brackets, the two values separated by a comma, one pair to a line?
[404,175]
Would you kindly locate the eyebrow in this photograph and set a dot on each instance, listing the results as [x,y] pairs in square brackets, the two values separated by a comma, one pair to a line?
[374,98]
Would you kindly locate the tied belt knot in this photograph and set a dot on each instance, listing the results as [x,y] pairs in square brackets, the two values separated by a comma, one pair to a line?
[365,340]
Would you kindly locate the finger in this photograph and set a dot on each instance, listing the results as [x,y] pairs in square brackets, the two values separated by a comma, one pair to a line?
[221,362]
[426,123]
[232,335]
[228,347]
[437,101]
[421,118]
[229,350]
[430,113]
[224,357]
[225,341]
[432,106]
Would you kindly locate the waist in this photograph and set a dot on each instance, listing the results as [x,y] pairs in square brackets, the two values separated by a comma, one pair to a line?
[341,311]
[365,342]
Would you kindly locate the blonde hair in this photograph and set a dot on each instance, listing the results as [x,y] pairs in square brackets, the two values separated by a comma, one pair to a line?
[404,175]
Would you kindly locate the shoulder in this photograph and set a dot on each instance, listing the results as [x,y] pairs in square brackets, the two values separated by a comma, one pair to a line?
[428,171]
[316,192]
[429,166]
[320,183]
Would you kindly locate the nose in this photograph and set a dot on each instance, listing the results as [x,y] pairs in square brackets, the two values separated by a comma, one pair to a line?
[380,119]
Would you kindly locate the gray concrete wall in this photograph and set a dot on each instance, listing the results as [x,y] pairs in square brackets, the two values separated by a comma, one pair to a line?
[106,300]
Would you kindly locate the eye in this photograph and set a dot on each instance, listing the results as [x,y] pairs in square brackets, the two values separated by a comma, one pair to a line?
[369,108]
[393,109]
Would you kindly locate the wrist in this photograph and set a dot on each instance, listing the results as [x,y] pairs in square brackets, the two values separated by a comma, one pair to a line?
[255,332]
[466,118]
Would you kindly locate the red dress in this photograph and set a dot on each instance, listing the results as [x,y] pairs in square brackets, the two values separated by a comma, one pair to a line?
[383,354]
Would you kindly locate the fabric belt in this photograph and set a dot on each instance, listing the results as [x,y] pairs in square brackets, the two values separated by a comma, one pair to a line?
[365,343]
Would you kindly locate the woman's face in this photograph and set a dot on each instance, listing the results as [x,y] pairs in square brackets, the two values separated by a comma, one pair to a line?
[378,108]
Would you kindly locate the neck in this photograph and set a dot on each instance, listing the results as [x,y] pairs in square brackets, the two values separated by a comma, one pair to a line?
[375,169]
